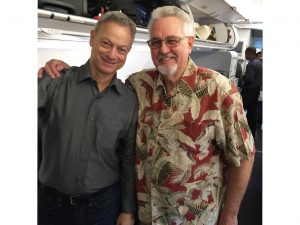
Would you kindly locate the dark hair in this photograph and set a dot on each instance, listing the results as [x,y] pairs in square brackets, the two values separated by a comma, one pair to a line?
[119,18]
[251,50]
[259,53]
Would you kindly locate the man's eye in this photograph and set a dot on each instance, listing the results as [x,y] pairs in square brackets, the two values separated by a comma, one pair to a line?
[122,50]
[172,41]
[155,42]
[105,44]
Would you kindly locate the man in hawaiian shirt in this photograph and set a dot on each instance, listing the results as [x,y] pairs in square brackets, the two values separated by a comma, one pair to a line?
[194,147]
[195,150]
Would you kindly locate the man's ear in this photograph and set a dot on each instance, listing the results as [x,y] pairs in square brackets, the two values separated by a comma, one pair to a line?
[92,37]
[191,40]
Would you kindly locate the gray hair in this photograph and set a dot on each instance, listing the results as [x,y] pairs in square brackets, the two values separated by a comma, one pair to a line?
[119,18]
[165,11]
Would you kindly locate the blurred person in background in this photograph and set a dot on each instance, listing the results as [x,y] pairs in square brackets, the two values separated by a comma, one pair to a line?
[251,87]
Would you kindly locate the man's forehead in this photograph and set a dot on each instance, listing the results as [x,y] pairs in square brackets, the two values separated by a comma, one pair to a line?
[165,29]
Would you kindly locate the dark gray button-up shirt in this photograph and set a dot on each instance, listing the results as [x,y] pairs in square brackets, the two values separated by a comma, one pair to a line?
[88,137]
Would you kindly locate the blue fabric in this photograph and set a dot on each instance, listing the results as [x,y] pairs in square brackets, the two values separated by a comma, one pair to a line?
[101,208]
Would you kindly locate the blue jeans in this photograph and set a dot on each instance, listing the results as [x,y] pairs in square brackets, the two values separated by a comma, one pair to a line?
[100,208]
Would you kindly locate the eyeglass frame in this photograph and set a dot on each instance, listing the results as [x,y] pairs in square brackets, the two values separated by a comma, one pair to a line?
[178,39]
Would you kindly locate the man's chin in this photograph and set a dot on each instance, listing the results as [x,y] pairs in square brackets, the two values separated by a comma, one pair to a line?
[108,71]
[167,71]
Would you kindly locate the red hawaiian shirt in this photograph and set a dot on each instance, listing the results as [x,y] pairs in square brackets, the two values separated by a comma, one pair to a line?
[185,143]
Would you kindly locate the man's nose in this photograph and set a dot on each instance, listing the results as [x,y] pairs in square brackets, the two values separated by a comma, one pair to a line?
[112,53]
[164,47]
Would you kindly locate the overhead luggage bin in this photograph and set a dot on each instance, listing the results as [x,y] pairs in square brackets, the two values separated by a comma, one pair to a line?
[65,36]
[51,24]
[211,11]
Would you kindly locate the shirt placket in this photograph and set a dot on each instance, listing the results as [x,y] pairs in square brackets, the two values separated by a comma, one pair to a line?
[87,145]
[165,108]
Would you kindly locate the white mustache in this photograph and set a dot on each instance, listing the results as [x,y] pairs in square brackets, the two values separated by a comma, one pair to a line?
[166,56]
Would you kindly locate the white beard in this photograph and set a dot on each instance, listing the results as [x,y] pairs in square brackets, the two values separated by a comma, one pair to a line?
[168,71]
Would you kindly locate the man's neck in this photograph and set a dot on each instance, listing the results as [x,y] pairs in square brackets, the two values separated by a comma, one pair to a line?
[172,81]
[103,80]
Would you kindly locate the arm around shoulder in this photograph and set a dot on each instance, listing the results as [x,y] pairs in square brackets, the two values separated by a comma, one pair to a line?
[52,68]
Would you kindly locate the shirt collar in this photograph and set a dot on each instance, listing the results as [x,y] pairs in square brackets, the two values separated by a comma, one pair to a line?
[85,74]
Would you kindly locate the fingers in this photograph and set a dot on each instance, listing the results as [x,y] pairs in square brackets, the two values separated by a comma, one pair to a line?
[61,65]
[40,72]
[51,68]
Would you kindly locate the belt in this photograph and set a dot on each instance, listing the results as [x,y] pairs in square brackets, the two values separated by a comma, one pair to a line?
[73,199]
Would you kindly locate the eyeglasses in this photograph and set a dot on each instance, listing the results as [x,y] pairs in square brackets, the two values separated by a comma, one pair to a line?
[171,42]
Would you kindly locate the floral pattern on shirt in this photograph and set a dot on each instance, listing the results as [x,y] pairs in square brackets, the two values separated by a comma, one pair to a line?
[185,143]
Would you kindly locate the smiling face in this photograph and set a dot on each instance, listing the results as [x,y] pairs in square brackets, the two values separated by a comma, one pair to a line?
[110,45]
[170,61]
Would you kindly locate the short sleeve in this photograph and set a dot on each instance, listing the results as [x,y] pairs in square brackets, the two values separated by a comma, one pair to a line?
[234,134]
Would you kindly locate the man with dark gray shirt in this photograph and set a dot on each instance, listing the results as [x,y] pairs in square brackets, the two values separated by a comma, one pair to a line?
[87,119]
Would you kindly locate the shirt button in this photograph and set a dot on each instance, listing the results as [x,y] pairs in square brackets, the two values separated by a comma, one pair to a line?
[92,119]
